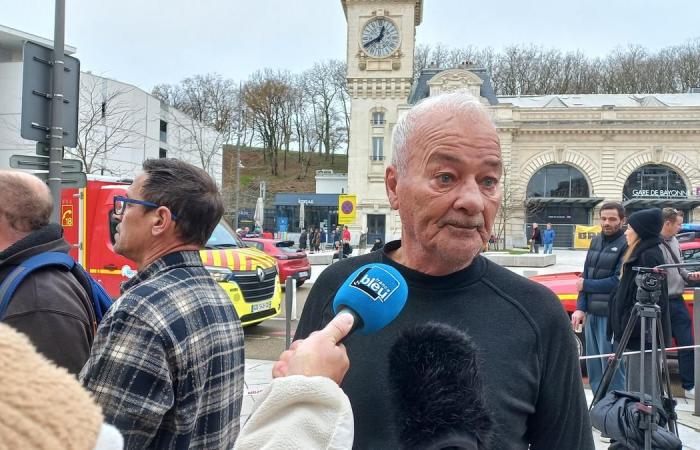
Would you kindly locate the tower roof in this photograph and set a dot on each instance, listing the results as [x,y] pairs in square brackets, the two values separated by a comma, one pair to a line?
[418,8]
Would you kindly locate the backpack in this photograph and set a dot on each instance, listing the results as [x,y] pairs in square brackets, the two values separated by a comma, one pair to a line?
[101,301]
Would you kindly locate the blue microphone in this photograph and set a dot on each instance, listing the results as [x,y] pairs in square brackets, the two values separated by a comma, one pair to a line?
[374,294]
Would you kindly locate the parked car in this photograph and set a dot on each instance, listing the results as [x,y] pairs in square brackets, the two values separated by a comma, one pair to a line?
[291,262]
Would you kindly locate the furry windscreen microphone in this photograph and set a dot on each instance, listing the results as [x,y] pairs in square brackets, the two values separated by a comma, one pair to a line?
[437,390]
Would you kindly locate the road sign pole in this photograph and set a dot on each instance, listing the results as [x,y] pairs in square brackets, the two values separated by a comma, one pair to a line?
[56,127]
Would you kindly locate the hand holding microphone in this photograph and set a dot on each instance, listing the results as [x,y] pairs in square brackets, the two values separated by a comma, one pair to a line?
[319,354]
[370,299]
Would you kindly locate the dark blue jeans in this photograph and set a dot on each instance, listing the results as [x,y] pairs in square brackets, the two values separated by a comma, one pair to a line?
[682,330]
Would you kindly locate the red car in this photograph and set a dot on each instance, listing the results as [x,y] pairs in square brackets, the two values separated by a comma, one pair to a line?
[291,262]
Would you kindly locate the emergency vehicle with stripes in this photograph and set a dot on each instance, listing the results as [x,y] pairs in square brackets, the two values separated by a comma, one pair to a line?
[249,276]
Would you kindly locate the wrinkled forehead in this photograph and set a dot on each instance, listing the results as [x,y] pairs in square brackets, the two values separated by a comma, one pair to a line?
[470,131]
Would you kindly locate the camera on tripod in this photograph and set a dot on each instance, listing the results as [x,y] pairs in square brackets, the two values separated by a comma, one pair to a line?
[649,281]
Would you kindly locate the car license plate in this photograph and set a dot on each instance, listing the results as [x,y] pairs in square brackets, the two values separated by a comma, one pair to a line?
[262,306]
[302,274]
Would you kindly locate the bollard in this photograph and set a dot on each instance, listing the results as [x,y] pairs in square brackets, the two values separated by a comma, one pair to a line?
[696,334]
[294,301]
[288,302]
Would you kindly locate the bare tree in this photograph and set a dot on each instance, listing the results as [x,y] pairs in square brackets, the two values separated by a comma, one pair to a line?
[533,70]
[208,103]
[511,200]
[266,96]
[107,122]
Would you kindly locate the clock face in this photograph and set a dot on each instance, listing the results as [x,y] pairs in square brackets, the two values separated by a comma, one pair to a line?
[380,38]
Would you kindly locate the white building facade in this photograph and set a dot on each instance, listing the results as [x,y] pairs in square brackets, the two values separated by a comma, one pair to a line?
[563,155]
[119,125]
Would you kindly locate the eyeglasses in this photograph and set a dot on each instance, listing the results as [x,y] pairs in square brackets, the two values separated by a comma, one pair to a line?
[120,203]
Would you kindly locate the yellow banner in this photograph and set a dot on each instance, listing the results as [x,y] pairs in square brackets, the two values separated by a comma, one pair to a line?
[584,234]
[347,209]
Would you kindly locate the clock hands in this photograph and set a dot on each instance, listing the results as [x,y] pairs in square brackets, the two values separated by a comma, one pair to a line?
[376,39]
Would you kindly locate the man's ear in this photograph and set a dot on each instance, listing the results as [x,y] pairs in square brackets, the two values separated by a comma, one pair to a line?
[162,221]
[391,182]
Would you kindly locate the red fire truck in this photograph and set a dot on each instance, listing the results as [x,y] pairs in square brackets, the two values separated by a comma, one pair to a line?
[248,276]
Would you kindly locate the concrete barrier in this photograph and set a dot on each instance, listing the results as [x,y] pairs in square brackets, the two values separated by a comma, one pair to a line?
[323,258]
[524,260]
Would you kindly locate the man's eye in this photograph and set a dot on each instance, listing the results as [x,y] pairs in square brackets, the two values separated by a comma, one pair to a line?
[445,178]
[490,182]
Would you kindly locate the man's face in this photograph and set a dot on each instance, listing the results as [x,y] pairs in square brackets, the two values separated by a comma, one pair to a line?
[134,227]
[610,221]
[449,196]
[672,227]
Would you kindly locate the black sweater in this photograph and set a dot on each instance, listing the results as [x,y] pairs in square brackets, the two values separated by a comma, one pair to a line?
[529,358]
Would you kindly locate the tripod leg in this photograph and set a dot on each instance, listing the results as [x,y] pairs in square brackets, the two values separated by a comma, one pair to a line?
[665,377]
[614,362]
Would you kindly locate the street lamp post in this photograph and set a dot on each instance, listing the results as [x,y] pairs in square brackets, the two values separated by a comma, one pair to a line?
[238,176]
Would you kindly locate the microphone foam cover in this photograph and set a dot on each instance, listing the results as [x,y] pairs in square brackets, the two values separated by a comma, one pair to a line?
[436,387]
[376,292]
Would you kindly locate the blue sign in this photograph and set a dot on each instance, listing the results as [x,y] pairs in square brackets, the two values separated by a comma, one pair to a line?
[282,224]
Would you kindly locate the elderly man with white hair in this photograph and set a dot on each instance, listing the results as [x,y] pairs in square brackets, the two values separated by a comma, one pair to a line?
[444,180]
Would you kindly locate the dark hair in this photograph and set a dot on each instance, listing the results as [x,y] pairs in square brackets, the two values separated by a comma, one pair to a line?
[189,192]
[616,206]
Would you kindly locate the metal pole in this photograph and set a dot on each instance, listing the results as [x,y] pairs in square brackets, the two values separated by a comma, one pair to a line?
[239,131]
[238,177]
[696,339]
[56,133]
[288,301]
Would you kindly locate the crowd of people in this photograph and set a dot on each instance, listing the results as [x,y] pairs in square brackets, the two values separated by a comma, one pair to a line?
[164,368]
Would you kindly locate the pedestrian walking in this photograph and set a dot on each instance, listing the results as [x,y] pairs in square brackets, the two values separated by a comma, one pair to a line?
[535,239]
[548,239]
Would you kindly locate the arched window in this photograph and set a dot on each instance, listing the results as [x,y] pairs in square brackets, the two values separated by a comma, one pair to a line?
[654,181]
[558,181]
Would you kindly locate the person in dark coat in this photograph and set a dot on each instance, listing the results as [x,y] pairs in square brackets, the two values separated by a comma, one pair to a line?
[50,306]
[535,239]
[302,240]
[378,244]
[643,251]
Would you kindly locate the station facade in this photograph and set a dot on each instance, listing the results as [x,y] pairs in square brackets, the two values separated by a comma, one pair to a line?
[564,155]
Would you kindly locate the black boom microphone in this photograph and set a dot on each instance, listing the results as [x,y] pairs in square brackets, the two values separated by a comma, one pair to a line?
[436,387]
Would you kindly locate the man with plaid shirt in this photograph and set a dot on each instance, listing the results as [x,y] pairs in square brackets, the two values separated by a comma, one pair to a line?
[167,362]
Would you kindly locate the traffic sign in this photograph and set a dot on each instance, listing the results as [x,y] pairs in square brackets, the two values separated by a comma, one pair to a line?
[347,209]
[29,162]
[37,95]
[68,180]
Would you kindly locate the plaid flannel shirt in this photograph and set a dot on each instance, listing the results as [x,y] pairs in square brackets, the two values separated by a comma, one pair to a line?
[167,364]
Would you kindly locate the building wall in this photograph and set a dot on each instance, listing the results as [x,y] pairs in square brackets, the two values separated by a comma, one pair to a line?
[332,183]
[606,143]
[137,122]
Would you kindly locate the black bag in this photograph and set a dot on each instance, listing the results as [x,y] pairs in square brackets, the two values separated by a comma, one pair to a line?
[617,416]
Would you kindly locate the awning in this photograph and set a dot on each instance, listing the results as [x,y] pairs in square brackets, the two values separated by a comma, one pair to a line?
[678,203]
[587,202]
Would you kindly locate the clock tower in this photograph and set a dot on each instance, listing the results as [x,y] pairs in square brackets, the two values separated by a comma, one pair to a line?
[380,42]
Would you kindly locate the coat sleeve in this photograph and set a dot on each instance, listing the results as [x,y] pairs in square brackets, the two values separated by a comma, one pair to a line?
[299,412]
[134,389]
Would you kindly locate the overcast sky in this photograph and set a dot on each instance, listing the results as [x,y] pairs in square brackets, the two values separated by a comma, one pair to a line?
[145,42]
